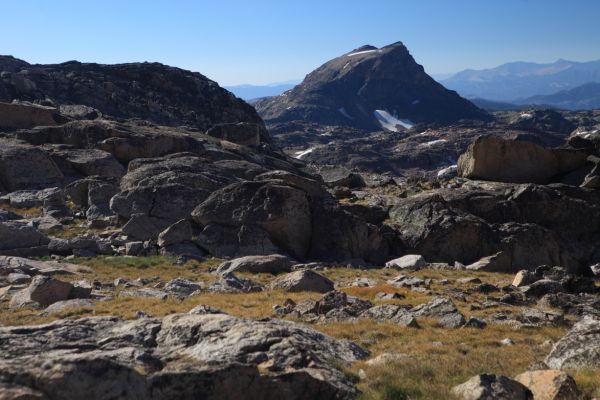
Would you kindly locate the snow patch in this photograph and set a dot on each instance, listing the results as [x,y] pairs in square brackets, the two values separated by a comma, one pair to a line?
[300,154]
[526,116]
[415,102]
[342,111]
[433,143]
[360,52]
[391,123]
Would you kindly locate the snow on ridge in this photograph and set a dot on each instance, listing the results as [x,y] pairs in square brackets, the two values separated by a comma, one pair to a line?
[389,122]
[300,154]
[526,115]
[415,102]
[342,111]
[361,52]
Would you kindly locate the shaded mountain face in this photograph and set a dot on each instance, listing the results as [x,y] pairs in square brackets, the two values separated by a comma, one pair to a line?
[151,91]
[369,88]
[519,80]
[584,97]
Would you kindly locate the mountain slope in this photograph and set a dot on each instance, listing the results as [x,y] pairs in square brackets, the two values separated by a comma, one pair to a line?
[519,80]
[584,97]
[369,88]
[152,91]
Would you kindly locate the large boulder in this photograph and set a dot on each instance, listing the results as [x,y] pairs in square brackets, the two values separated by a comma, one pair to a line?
[19,238]
[23,166]
[579,348]
[247,134]
[270,264]
[280,210]
[181,356]
[491,387]
[27,115]
[549,384]
[495,159]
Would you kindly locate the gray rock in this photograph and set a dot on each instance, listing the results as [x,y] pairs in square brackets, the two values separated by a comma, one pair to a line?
[18,238]
[579,348]
[42,291]
[270,264]
[230,283]
[491,387]
[181,355]
[303,281]
[16,278]
[443,310]
[411,261]
[20,115]
[144,292]
[495,159]
[243,133]
[181,287]
[63,305]
[390,313]
[23,166]
[180,231]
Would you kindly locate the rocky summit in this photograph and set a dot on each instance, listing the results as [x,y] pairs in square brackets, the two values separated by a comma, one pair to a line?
[379,237]
[369,88]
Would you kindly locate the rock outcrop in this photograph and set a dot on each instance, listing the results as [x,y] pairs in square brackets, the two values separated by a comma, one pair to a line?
[182,356]
[494,159]
[151,91]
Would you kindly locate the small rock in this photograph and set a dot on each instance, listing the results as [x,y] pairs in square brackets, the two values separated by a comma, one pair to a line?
[507,342]
[303,281]
[411,261]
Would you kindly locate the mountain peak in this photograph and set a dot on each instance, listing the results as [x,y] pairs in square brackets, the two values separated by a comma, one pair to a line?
[369,88]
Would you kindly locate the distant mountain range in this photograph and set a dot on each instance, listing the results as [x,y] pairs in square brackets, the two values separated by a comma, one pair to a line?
[521,81]
[370,88]
[250,92]
[584,97]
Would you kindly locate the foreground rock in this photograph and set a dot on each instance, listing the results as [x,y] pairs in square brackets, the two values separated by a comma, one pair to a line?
[44,291]
[491,387]
[496,159]
[182,356]
[579,349]
[549,385]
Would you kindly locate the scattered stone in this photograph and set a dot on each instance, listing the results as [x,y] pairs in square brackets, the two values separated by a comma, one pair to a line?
[230,283]
[473,322]
[524,278]
[16,278]
[182,287]
[389,296]
[303,281]
[443,310]
[507,342]
[386,359]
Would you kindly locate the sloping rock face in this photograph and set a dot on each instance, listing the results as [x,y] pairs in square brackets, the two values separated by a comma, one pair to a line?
[18,116]
[579,349]
[23,166]
[369,88]
[495,159]
[292,219]
[203,353]
[530,225]
[151,91]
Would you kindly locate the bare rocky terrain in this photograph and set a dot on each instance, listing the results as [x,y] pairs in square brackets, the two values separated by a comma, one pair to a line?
[159,241]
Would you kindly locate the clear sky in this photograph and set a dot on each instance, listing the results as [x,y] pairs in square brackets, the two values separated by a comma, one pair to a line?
[263,41]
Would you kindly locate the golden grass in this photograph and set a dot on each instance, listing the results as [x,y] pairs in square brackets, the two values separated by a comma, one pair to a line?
[436,358]
[31,212]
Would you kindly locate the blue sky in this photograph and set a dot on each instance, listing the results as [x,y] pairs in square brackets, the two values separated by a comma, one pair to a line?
[262,41]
